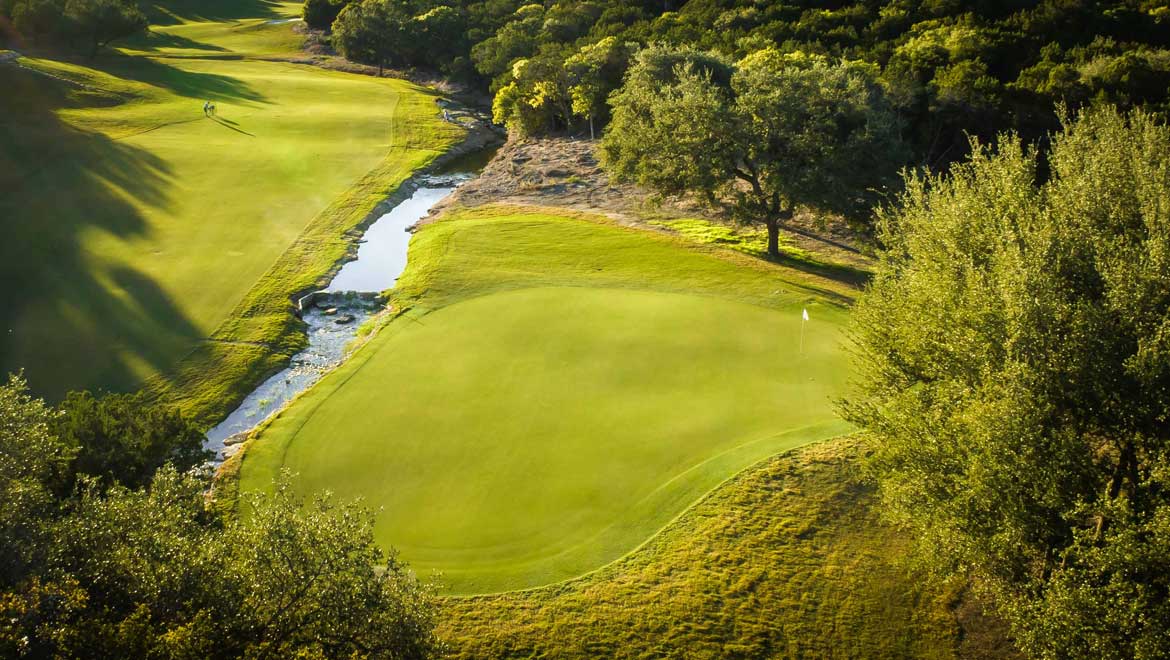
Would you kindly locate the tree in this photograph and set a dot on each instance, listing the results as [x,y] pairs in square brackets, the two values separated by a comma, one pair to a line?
[439,35]
[320,14]
[516,39]
[1014,363]
[769,133]
[372,32]
[123,439]
[537,100]
[595,71]
[105,21]
[33,465]
[38,18]
[113,572]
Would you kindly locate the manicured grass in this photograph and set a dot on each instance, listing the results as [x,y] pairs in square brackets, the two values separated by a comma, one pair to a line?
[149,244]
[789,559]
[558,390]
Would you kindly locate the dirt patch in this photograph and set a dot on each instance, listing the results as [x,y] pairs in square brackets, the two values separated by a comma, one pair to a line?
[566,173]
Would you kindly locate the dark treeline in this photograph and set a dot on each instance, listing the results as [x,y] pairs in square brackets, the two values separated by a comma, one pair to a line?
[951,69]
[78,24]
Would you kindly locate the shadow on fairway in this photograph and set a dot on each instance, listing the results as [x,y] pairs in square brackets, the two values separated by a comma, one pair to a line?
[64,316]
[839,273]
[229,124]
[192,84]
[154,41]
[175,11]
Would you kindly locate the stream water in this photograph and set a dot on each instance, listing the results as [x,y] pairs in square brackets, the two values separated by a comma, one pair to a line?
[334,314]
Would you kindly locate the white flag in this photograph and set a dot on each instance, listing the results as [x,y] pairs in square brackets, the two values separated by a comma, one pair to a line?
[804,313]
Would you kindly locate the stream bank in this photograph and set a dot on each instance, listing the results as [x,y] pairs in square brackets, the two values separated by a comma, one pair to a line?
[333,314]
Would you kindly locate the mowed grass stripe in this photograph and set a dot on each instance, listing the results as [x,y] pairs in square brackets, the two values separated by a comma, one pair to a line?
[560,390]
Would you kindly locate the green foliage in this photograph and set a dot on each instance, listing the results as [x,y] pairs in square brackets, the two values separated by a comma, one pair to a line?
[394,33]
[596,71]
[954,69]
[104,21]
[1016,369]
[320,14]
[95,23]
[123,439]
[372,32]
[557,88]
[154,573]
[785,130]
[33,464]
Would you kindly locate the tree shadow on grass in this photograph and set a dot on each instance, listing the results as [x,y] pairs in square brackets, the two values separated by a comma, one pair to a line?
[854,277]
[154,41]
[175,11]
[183,82]
[68,318]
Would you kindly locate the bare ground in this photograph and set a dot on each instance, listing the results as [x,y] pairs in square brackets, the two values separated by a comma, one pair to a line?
[565,173]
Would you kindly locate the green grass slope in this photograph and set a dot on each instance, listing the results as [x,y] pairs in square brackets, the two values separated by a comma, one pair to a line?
[147,243]
[558,391]
[789,559]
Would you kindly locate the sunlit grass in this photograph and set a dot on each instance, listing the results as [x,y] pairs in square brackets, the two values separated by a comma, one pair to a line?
[557,390]
[159,246]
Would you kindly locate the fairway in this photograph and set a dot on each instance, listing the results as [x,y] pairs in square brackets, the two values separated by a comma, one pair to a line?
[143,234]
[558,391]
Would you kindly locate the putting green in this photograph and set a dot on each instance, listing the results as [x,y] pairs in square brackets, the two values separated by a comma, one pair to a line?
[144,238]
[559,391]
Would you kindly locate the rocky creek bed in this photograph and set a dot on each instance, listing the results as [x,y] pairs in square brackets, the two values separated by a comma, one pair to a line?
[334,314]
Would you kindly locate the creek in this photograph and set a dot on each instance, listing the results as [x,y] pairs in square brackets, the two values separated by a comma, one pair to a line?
[334,314]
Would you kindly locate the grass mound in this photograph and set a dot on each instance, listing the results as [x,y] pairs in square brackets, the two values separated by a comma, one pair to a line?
[146,242]
[787,560]
[558,391]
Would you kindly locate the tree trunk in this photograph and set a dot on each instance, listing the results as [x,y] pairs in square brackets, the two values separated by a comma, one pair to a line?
[1124,468]
[773,225]
[591,128]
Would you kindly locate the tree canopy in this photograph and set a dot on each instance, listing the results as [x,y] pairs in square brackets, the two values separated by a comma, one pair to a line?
[110,571]
[124,438]
[1014,361]
[89,23]
[951,69]
[769,133]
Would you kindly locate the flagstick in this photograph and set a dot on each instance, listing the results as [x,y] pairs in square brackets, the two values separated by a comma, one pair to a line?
[803,320]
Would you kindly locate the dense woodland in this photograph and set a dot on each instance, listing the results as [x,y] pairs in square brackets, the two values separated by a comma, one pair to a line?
[951,69]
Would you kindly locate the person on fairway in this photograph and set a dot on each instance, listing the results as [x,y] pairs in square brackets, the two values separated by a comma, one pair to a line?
[206,107]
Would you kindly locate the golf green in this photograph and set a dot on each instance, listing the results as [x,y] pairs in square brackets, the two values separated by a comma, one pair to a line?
[559,391]
[142,233]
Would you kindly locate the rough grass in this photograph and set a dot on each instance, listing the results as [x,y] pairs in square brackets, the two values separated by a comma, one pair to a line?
[787,560]
[749,240]
[558,391]
[148,244]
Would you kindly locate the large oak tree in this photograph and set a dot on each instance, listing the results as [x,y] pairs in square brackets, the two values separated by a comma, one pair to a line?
[768,133]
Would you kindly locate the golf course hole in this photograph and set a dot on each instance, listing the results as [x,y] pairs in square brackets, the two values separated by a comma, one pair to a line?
[526,437]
